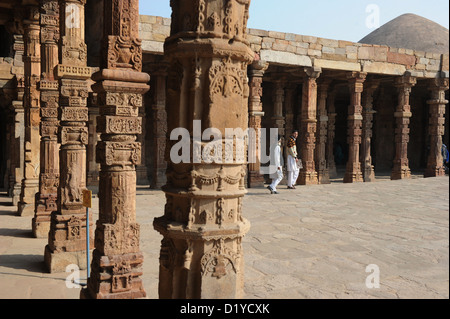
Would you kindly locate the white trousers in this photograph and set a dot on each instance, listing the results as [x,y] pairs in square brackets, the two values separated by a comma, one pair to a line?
[276,181]
[293,171]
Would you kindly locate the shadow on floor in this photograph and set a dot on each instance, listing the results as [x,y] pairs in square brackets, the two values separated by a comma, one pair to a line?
[19,233]
[31,263]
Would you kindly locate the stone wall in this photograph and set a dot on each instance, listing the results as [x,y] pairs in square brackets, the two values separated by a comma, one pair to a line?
[293,49]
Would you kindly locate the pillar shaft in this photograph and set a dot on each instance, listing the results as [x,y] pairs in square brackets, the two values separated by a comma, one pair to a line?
[331,134]
[279,121]
[49,147]
[437,103]
[256,74]
[203,224]
[402,117]
[353,172]
[160,129]
[367,125]
[308,175]
[67,236]
[117,259]
[323,174]
[32,66]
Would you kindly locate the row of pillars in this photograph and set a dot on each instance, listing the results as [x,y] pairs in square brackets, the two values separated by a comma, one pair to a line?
[203,223]
[318,118]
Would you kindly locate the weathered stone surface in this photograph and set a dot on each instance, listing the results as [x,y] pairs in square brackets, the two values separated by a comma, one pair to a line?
[383,68]
[285,58]
[337,65]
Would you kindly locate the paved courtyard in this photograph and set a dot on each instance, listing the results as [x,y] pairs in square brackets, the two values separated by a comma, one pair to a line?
[313,242]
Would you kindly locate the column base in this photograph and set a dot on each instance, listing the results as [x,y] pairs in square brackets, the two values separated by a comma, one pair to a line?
[435,172]
[58,261]
[25,209]
[403,173]
[353,177]
[369,175]
[308,178]
[115,277]
[40,229]
[255,180]
[323,177]
[332,172]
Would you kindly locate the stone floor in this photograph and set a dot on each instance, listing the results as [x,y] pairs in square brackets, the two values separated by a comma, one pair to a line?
[313,242]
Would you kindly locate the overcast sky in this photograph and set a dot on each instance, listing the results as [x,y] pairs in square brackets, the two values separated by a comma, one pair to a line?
[334,19]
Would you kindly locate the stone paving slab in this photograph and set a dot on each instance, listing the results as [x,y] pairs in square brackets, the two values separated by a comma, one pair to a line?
[313,242]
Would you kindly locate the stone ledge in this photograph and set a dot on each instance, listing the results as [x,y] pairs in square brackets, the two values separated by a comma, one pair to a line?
[287,58]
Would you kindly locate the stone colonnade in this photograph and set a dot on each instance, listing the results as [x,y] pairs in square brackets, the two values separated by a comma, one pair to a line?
[317,122]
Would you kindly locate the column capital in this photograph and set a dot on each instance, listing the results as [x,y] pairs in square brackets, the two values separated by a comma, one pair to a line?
[406,81]
[313,72]
[258,68]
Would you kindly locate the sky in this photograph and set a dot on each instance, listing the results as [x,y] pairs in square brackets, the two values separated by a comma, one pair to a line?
[349,20]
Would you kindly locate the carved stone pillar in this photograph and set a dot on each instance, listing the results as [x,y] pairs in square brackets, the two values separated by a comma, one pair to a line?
[32,65]
[308,175]
[368,113]
[256,74]
[93,168]
[67,236]
[331,134]
[353,172]
[437,103]
[117,259]
[323,174]
[402,115]
[203,224]
[49,163]
[278,118]
[160,128]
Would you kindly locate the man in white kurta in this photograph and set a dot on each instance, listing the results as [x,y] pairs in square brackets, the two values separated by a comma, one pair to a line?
[277,163]
[293,164]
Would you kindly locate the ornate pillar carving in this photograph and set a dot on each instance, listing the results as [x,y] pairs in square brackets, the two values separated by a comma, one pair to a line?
[93,168]
[49,147]
[18,129]
[67,236]
[32,66]
[323,174]
[117,259]
[353,172]
[331,133]
[278,118]
[368,113]
[308,175]
[203,223]
[256,74]
[160,128]
[437,103]
[402,115]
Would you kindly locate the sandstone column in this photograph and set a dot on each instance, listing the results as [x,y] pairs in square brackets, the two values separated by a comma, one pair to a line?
[93,168]
[436,129]
[256,74]
[403,114]
[32,65]
[117,259]
[203,223]
[67,236]
[368,113]
[323,174]
[49,148]
[353,173]
[160,128]
[278,118]
[331,134]
[308,175]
